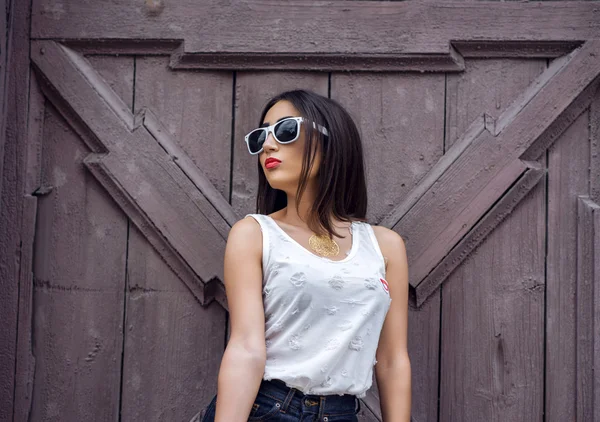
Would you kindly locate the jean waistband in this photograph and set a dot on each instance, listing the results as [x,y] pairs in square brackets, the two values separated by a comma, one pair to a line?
[278,390]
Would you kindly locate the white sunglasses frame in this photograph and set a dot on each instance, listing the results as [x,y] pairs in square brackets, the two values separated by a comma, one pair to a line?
[271,129]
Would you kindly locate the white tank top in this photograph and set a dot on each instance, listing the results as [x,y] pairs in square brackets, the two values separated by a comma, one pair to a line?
[322,317]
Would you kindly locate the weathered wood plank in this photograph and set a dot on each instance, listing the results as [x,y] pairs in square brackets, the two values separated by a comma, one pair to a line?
[588,284]
[483,228]
[253,90]
[401,118]
[78,297]
[568,163]
[173,346]
[13,150]
[595,148]
[25,361]
[467,384]
[162,198]
[164,322]
[472,183]
[338,27]
[492,355]
[195,109]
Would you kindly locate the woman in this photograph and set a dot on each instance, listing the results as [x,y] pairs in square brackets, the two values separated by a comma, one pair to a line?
[316,295]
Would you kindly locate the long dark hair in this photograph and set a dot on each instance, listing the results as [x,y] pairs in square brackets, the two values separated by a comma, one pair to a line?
[342,189]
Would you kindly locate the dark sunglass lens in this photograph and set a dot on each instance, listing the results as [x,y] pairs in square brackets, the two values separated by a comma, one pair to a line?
[256,139]
[286,131]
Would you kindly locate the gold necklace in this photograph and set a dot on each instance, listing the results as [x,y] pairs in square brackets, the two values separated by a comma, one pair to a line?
[324,245]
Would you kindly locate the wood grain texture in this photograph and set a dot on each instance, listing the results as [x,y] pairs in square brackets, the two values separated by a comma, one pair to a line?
[489,357]
[339,27]
[195,108]
[401,119]
[137,170]
[492,358]
[13,150]
[568,163]
[173,346]
[474,181]
[588,284]
[25,361]
[79,271]
[595,148]
[253,90]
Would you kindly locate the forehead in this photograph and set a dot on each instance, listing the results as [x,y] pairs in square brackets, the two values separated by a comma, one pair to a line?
[280,109]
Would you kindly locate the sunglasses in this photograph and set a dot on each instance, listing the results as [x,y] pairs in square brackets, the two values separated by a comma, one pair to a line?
[284,131]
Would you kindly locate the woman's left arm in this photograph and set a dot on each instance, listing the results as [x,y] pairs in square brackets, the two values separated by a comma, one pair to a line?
[393,365]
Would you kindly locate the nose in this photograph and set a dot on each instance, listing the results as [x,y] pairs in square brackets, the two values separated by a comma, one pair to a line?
[270,143]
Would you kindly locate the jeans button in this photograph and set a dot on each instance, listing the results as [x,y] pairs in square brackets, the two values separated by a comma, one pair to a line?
[325,419]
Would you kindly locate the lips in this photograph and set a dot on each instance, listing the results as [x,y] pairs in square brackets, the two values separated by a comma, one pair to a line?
[271,163]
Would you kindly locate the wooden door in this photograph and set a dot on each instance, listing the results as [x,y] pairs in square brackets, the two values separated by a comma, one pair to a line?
[480,124]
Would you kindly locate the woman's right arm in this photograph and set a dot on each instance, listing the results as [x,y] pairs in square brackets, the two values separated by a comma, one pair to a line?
[243,363]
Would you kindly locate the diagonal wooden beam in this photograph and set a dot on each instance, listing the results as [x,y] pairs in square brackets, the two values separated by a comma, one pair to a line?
[183,216]
[460,189]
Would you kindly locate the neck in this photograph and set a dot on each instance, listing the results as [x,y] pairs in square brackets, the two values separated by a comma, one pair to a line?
[300,216]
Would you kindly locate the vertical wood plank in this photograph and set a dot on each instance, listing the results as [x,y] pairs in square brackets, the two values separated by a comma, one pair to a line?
[195,107]
[588,282]
[401,118]
[79,271]
[253,90]
[492,305]
[173,346]
[568,167]
[25,361]
[492,324]
[13,146]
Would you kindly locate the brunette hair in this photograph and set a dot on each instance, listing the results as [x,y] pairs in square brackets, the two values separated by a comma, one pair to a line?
[342,188]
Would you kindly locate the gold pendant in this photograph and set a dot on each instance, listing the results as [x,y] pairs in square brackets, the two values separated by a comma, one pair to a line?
[324,245]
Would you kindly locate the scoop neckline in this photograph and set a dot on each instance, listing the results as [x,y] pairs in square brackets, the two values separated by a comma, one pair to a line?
[353,248]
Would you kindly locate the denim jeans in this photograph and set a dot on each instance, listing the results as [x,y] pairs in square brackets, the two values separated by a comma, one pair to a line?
[277,402]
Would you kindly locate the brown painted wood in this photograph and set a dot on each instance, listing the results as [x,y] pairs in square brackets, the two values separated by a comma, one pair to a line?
[588,283]
[568,163]
[472,183]
[167,207]
[253,90]
[25,361]
[79,270]
[336,27]
[13,147]
[173,346]
[492,358]
[595,148]
[401,118]
[479,295]
[195,108]
[489,87]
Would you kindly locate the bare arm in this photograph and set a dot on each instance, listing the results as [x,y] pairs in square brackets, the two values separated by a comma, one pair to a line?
[393,365]
[243,363]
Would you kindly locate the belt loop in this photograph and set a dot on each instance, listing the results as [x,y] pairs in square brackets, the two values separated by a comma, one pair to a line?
[321,408]
[288,399]
[357,405]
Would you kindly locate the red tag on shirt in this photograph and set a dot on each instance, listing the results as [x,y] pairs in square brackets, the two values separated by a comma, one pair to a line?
[385,285]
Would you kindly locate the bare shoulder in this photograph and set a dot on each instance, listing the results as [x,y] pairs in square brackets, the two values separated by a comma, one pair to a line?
[245,234]
[389,241]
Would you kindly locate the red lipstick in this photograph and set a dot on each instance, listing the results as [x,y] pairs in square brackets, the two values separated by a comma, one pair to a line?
[271,163]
